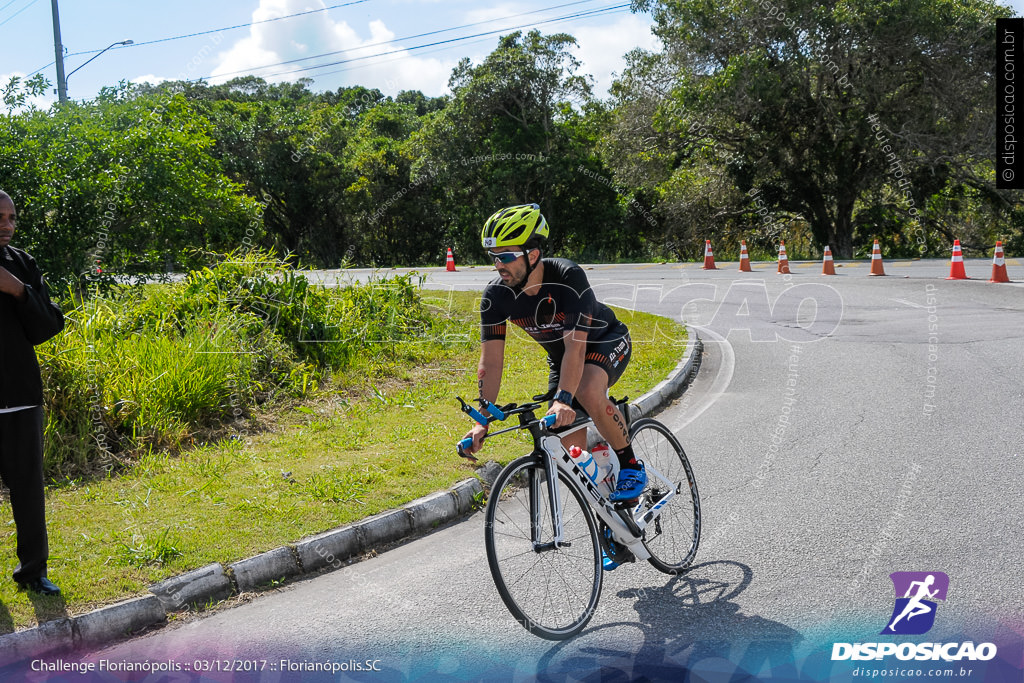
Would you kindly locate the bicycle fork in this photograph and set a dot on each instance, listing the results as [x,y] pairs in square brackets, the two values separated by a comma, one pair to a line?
[536,523]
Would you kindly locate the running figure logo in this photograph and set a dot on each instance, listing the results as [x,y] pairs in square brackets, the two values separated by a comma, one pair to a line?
[914,612]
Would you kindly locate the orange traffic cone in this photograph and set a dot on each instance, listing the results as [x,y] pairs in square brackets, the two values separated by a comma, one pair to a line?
[956,266]
[999,265]
[709,258]
[876,260]
[783,261]
[450,262]
[827,266]
[744,258]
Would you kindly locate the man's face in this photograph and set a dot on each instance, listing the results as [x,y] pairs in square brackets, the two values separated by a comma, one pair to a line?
[8,218]
[512,274]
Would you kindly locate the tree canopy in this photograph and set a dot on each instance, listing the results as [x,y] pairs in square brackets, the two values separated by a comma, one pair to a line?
[858,118]
[825,124]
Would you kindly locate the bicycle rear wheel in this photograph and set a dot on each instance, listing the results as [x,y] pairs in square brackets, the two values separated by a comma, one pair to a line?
[672,538]
[552,592]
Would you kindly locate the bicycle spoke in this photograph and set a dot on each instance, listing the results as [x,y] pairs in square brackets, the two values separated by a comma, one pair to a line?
[553,593]
[673,537]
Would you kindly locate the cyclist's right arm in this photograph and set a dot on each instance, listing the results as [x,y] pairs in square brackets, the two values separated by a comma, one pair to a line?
[492,362]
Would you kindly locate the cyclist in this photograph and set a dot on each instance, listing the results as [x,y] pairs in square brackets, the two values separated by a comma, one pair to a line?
[588,347]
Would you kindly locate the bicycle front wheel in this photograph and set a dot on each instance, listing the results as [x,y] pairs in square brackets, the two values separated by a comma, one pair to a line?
[552,591]
[672,538]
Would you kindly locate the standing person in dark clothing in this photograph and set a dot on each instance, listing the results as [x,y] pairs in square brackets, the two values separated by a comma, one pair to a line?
[27,318]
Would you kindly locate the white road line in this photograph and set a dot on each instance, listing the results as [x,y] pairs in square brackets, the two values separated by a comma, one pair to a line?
[718,385]
[908,303]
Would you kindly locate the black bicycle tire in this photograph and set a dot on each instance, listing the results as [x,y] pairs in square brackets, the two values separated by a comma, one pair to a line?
[657,562]
[523,464]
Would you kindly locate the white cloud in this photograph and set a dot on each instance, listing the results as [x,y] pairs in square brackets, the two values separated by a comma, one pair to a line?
[152,78]
[42,101]
[497,12]
[317,34]
[602,49]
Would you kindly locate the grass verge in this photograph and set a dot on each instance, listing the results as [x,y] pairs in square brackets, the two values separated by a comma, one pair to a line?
[382,436]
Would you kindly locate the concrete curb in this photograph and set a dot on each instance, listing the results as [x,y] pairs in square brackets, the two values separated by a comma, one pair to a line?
[673,385]
[113,621]
[253,572]
[329,549]
[34,642]
[193,588]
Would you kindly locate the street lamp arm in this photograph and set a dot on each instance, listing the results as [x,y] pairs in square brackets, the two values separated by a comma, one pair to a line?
[123,42]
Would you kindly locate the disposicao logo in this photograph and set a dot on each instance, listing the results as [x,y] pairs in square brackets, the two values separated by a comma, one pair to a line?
[914,614]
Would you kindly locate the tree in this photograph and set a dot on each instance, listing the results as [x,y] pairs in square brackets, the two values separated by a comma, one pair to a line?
[393,213]
[785,98]
[513,133]
[120,185]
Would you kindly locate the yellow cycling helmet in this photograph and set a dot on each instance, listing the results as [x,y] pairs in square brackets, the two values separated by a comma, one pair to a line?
[514,226]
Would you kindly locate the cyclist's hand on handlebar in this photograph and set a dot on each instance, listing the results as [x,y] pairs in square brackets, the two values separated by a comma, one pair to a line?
[477,435]
[564,415]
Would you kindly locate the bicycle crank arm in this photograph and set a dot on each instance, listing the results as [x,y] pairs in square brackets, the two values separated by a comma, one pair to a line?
[544,547]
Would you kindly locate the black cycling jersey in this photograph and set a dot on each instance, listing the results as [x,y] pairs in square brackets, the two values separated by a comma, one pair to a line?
[564,302]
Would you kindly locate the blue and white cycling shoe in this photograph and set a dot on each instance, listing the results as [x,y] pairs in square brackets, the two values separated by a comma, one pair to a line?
[630,485]
[607,562]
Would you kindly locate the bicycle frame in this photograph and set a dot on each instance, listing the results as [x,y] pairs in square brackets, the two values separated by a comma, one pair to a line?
[627,525]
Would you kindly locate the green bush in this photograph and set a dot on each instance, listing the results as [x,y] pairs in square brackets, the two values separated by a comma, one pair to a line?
[159,366]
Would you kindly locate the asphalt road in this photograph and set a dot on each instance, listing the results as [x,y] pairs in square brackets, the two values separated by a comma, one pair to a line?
[841,428]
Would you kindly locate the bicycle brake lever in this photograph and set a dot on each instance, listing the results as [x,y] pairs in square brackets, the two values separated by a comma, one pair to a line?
[491,408]
[462,445]
[472,412]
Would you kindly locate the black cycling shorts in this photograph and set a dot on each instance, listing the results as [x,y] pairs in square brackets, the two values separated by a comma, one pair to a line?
[611,354]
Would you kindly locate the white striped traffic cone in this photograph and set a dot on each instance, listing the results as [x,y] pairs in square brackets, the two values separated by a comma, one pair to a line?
[956,266]
[999,265]
[783,260]
[709,258]
[744,258]
[827,266]
[876,260]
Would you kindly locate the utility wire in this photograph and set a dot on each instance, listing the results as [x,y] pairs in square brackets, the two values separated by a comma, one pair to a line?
[597,12]
[193,35]
[314,56]
[230,28]
[440,49]
[18,12]
[585,14]
[418,35]
[8,5]
[40,69]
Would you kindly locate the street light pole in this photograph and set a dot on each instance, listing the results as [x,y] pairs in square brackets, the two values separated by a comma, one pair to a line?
[120,42]
[58,50]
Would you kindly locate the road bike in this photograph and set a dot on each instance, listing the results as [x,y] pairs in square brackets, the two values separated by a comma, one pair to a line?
[547,522]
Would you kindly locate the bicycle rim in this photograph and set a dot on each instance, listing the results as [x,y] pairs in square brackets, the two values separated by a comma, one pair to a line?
[673,537]
[552,593]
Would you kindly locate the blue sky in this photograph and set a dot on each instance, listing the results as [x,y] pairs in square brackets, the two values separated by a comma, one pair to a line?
[361,29]
[364,27]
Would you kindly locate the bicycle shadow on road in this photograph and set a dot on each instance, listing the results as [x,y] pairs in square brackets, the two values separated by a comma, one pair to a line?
[690,622]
